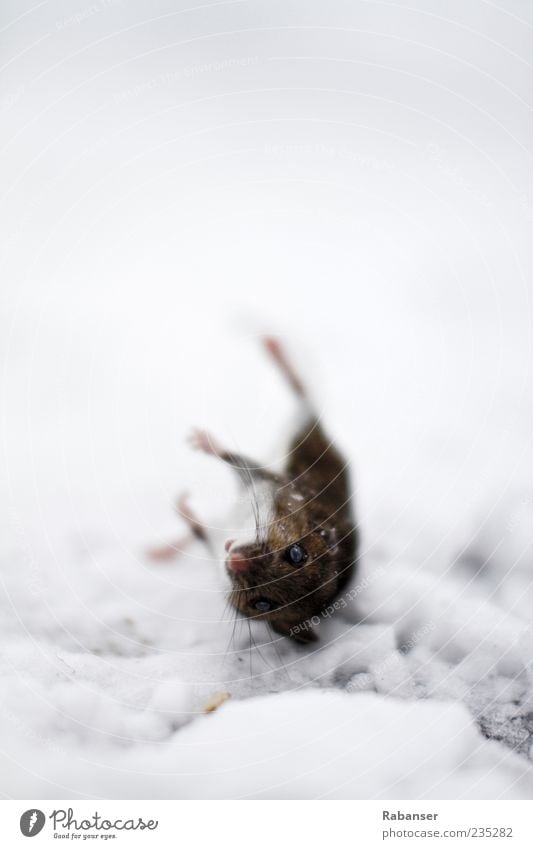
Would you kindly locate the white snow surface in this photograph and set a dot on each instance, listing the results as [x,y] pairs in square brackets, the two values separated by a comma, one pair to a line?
[103,690]
[353,176]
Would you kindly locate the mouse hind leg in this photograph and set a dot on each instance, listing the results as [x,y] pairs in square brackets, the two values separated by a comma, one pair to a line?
[312,457]
[314,462]
[278,354]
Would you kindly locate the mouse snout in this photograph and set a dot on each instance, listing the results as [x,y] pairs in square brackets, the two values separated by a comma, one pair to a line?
[237,562]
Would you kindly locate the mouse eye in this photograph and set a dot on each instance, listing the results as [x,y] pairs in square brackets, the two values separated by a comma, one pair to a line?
[263,605]
[296,554]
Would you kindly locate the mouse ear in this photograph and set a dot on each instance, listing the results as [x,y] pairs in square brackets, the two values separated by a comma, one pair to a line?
[301,633]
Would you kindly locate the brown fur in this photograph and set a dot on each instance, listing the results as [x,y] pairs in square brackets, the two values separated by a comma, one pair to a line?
[311,508]
[321,522]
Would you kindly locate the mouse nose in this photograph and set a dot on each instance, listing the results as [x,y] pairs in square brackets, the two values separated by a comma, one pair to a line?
[238,562]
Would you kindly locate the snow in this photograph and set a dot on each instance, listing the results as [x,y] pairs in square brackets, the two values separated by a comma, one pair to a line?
[380,221]
[388,705]
[281,747]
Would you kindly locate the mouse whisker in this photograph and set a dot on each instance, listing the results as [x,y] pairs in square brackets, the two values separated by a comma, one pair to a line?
[273,643]
[250,649]
[260,653]
[246,474]
[232,635]
[228,608]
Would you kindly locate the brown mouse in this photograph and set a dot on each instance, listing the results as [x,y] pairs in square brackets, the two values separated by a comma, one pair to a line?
[301,543]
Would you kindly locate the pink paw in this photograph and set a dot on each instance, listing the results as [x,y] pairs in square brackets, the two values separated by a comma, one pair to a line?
[166,552]
[274,347]
[202,440]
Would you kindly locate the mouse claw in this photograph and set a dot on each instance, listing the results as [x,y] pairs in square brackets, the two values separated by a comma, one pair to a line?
[202,440]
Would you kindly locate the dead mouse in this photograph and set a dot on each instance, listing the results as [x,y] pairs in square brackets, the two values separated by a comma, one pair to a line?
[297,547]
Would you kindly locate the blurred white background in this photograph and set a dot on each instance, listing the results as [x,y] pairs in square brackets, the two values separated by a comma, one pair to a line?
[178,177]
[353,174]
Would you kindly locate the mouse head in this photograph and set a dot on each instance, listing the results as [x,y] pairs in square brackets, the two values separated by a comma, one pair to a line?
[291,566]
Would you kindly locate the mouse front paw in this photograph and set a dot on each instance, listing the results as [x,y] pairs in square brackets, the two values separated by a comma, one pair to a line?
[201,440]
